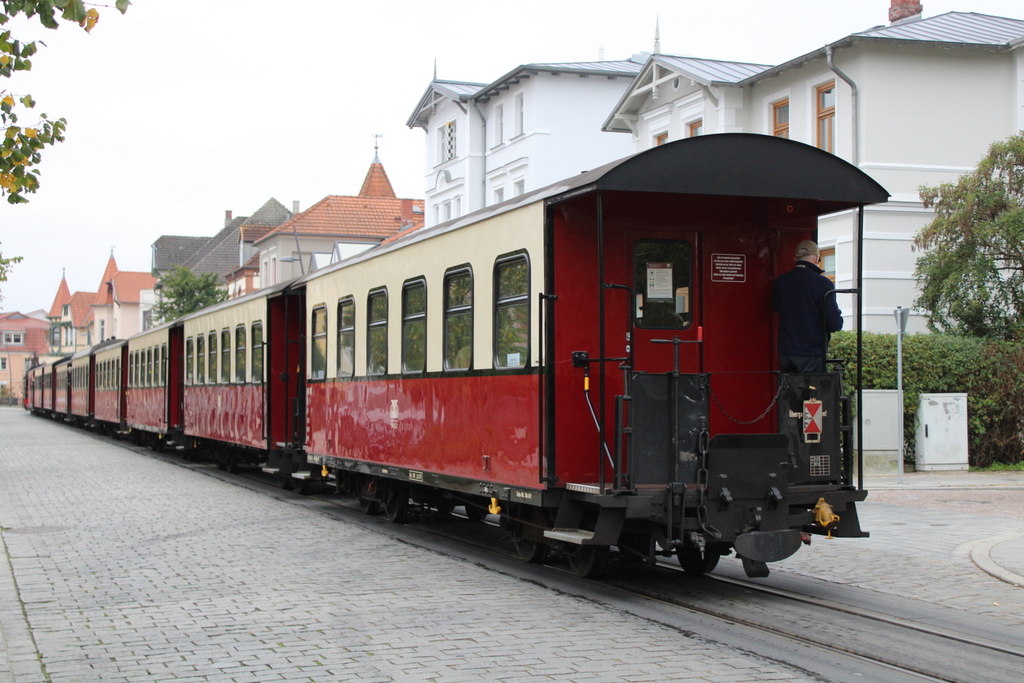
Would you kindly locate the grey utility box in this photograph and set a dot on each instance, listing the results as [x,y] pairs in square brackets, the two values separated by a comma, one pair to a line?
[881,431]
[942,432]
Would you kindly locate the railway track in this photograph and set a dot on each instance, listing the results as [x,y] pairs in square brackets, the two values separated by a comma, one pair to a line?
[847,637]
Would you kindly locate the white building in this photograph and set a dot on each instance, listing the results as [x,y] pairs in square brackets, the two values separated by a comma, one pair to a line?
[913,103]
[537,124]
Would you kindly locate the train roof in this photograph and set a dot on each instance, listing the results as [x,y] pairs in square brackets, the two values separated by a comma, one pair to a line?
[723,164]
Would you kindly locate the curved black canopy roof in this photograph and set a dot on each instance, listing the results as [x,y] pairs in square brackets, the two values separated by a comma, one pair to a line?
[736,164]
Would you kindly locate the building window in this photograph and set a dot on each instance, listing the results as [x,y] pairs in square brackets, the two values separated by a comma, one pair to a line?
[318,357]
[826,110]
[660,139]
[225,356]
[55,337]
[200,359]
[240,354]
[446,140]
[347,338]
[103,330]
[696,128]
[828,263]
[414,327]
[780,119]
[257,353]
[511,312]
[499,195]
[3,363]
[518,188]
[189,358]
[458,320]
[13,338]
[147,319]
[520,114]
[447,211]
[377,333]
[499,124]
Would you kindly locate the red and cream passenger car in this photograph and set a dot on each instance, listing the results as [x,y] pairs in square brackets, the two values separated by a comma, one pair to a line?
[149,385]
[62,387]
[81,387]
[111,400]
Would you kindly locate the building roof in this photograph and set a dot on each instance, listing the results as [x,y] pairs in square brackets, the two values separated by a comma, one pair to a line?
[62,297]
[218,254]
[463,91]
[124,287]
[952,29]
[81,307]
[662,68]
[372,215]
[173,250]
[376,183]
[34,339]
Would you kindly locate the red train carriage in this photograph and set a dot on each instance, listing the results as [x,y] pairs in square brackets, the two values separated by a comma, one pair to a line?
[596,361]
[242,372]
[34,381]
[80,388]
[62,388]
[149,385]
[110,407]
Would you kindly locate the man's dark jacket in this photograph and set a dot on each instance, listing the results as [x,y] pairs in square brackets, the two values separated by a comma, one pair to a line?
[798,297]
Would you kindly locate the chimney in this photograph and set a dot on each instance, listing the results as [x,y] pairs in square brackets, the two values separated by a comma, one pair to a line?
[227,217]
[295,206]
[903,9]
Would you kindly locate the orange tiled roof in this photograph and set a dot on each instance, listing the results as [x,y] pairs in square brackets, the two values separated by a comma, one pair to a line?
[81,306]
[128,285]
[376,183]
[370,217]
[63,296]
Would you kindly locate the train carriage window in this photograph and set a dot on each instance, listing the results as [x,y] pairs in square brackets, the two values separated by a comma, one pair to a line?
[211,348]
[458,320]
[346,338]
[189,357]
[257,353]
[318,358]
[163,365]
[377,333]
[414,327]
[512,312]
[240,354]
[662,281]
[200,359]
[149,367]
[225,356]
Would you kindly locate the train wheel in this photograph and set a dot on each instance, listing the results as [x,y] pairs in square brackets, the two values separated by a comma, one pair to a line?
[533,552]
[695,565]
[396,504]
[587,561]
[367,496]
[300,486]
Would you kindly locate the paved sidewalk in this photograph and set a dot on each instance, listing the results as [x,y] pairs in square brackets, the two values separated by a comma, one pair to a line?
[129,568]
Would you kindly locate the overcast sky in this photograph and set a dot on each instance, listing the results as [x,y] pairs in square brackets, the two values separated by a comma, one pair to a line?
[181,110]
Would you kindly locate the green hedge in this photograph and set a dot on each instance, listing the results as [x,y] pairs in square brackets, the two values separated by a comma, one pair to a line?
[990,372]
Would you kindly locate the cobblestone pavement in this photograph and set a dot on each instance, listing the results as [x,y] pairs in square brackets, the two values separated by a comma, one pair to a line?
[920,548]
[120,567]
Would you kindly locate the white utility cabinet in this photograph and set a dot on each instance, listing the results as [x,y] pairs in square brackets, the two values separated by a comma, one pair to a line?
[881,430]
[942,432]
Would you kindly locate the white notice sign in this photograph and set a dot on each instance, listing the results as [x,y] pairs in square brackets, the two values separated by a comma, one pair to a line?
[659,281]
[728,268]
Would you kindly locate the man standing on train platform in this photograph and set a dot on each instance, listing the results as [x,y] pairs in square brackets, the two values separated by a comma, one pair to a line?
[799,298]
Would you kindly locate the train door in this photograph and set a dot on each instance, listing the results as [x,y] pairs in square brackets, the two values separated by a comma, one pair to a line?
[285,397]
[175,369]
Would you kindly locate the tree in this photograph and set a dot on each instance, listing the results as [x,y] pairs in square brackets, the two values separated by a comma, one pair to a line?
[22,145]
[183,293]
[971,274]
[5,268]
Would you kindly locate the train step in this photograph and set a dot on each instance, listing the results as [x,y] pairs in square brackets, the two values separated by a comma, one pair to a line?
[304,476]
[576,536]
[271,470]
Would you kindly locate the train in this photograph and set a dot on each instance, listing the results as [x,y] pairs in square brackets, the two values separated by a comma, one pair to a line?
[592,363]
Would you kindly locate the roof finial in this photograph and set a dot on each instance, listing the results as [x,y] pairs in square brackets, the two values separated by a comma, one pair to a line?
[376,136]
[435,68]
[657,35]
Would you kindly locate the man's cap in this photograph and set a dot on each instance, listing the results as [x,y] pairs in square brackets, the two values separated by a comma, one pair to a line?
[806,248]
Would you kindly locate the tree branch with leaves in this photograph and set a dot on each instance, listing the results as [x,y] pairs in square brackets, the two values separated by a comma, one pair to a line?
[22,144]
[971,275]
[182,292]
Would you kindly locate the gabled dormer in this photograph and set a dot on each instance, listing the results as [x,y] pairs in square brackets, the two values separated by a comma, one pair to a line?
[677,97]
